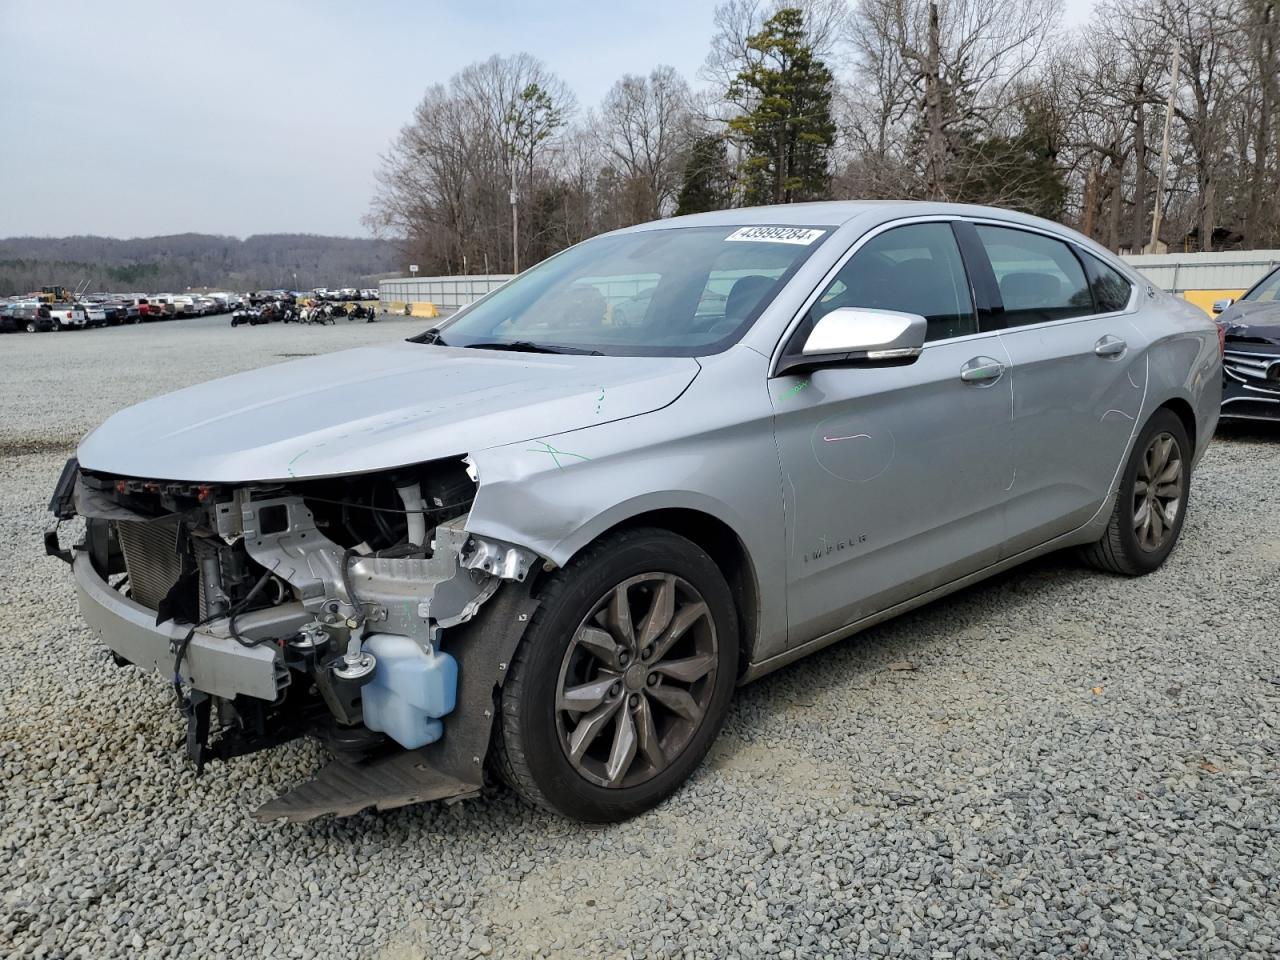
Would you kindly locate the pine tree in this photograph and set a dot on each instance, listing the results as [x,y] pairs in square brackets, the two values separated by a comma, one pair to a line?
[786,127]
[707,183]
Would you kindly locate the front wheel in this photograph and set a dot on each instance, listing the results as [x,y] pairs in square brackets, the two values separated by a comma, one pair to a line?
[623,679]
[56,327]
[1151,503]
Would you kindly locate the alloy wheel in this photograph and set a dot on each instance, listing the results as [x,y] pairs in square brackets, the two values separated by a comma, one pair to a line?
[636,680]
[1157,492]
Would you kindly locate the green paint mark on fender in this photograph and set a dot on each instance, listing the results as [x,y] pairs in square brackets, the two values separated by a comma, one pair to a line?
[794,390]
[555,454]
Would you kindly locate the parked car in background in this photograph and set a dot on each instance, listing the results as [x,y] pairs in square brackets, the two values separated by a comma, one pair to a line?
[117,312]
[33,317]
[8,322]
[535,536]
[162,306]
[226,302]
[1251,361]
[95,314]
[65,316]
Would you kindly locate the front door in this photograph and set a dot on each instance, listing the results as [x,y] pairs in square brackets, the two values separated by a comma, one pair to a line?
[894,477]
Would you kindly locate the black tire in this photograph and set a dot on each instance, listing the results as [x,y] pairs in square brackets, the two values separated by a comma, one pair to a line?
[528,752]
[1119,550]
[31,327]
[56,326]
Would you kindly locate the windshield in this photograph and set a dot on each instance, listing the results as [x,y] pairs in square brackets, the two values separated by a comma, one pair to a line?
[681,291]
[1267,291]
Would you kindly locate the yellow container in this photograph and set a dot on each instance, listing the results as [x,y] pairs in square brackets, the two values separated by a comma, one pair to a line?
[427,310]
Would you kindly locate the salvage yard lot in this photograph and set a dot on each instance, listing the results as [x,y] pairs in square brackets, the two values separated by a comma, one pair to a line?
[1054,761]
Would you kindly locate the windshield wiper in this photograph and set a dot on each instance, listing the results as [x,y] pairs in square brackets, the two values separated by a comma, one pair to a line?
[528,346]
[431,336]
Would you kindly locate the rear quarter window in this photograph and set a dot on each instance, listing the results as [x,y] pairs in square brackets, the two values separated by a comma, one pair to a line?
[1111,291]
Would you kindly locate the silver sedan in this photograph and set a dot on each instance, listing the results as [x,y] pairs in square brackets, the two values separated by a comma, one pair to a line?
[550,536]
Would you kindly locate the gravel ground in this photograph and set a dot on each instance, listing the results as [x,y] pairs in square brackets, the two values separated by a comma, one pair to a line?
[1053,763]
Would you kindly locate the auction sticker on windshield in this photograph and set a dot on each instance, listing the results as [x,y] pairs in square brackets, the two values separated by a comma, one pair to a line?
[801,235]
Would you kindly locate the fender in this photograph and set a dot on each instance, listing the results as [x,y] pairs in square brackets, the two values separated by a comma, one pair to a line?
[556,494]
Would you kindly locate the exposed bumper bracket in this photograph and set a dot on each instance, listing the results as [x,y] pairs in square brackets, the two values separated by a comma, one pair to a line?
[52,547]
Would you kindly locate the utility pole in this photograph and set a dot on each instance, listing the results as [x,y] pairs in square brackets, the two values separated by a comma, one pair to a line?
[1090,201]
[935,138]
[1164,150]
[515,220]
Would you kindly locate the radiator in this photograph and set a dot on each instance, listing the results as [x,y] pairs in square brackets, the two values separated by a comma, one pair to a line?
[151,558]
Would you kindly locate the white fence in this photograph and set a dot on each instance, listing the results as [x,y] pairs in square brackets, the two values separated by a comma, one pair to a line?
[1180,272]
[447,293]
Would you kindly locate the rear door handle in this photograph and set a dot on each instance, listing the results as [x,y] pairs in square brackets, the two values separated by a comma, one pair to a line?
[982,371]
[1110,347]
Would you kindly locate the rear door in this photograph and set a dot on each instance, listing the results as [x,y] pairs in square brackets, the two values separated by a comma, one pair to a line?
[1078,377]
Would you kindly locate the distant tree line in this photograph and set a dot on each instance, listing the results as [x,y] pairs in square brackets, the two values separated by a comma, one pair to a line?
[984,101]
[171,264]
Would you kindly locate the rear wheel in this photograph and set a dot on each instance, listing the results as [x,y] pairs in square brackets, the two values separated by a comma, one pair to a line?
[56,326]
[1151,503]
[31,326]
[622,680]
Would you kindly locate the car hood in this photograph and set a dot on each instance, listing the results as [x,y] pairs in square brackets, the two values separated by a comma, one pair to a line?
[374,408]
[1249,321]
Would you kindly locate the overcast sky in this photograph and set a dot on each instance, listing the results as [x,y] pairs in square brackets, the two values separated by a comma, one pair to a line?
[133,118]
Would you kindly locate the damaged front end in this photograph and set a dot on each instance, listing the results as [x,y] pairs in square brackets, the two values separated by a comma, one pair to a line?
[357,610]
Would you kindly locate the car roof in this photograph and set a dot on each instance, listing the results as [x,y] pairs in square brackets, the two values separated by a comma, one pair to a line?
[836,213]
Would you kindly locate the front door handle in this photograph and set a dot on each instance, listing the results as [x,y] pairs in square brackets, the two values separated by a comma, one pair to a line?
[982,371]
[1110,347]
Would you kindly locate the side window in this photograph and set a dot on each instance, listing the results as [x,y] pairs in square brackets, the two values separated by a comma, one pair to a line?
[1110,290]
[915,269]
[1040,279]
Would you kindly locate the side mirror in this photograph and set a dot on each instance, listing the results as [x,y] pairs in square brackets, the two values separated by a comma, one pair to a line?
[860,336]
[1220,305]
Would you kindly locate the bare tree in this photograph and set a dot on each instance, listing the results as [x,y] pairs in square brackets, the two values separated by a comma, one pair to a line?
[645,130]
[1260,151]
[444,186]
[977,100]
[1209,37]
[941,75]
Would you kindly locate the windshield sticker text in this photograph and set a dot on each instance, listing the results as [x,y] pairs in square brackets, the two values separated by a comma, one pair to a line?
[800,235]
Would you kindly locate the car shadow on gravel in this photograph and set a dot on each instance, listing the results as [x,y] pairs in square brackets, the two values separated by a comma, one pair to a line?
[904,646]
[914,633]
[1248,431]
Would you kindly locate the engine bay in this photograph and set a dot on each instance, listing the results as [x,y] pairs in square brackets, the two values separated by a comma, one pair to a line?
[355,585]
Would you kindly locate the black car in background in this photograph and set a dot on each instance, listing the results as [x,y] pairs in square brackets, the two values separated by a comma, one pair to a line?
[1251,356]
[31,317]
